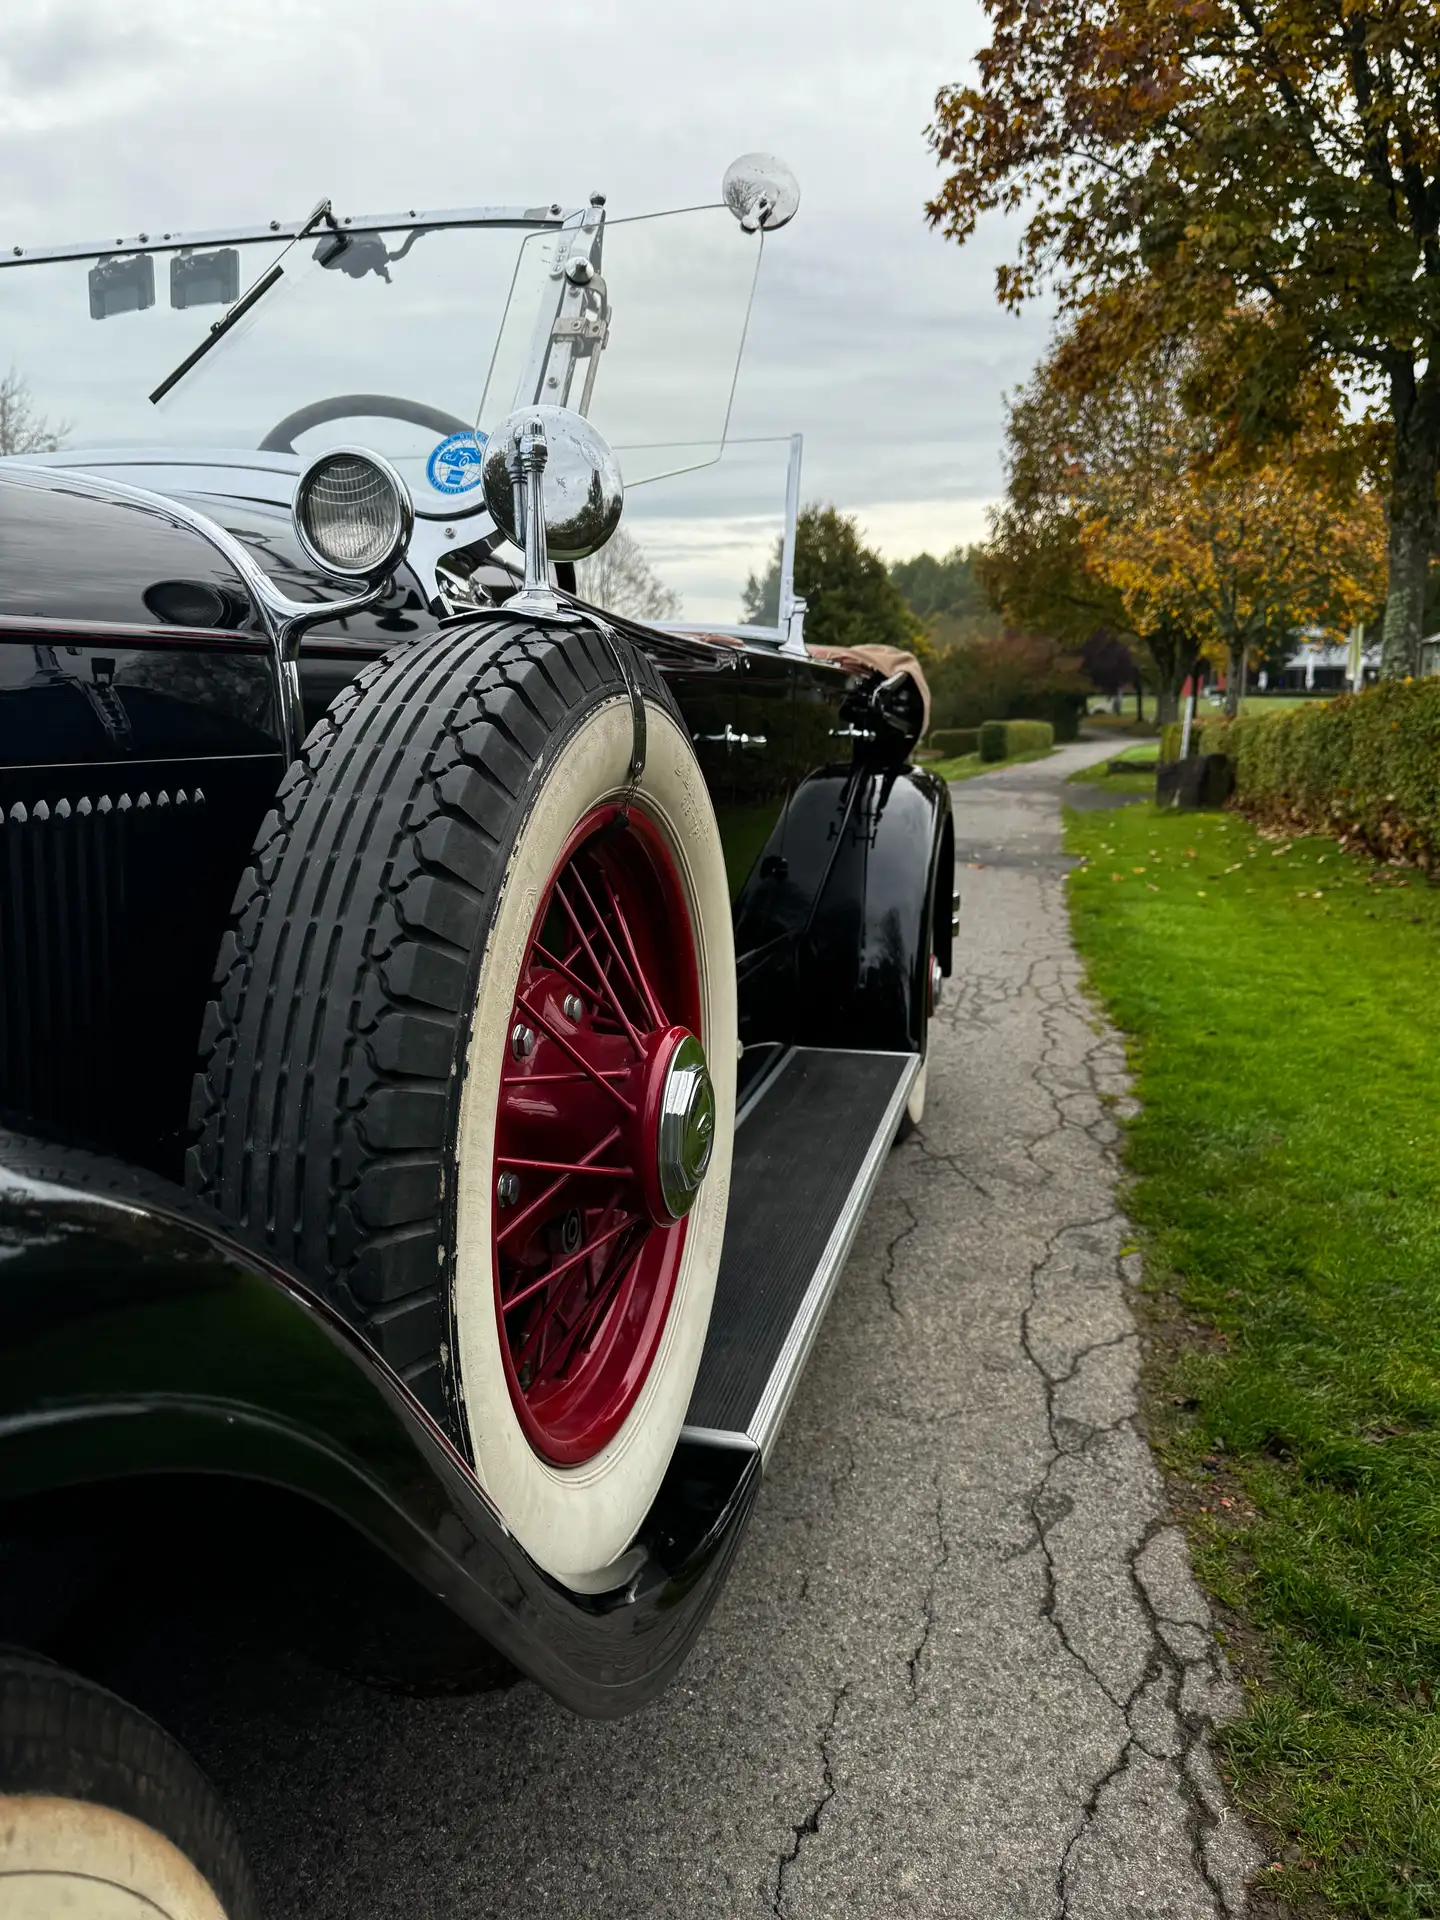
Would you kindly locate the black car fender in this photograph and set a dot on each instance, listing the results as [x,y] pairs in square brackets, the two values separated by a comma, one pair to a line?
[878,845]
[142,1341]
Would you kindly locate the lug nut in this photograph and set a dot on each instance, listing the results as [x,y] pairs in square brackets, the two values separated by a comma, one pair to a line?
[507,1189]
[522,1042]
[574,1007]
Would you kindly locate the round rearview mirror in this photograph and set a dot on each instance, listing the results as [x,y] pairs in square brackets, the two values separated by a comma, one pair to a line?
[761,191]
[353,513]
[582,492]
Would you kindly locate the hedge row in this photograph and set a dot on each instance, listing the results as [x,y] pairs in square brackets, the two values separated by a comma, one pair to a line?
[951,742]
[1003,739]
[1365,766]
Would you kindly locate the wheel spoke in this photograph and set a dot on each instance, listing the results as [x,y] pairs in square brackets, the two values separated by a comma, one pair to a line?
[562,967]
[606,986]
[564,1166]
[564,1266]
[639,988]
[657,1012]
[564,1079]
[595,1309]
[527,1214]
[574,1052]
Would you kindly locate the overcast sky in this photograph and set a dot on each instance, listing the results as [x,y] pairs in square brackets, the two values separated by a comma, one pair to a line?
[876,339]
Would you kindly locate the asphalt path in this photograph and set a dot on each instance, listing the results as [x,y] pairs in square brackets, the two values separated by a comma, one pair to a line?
[960,1667]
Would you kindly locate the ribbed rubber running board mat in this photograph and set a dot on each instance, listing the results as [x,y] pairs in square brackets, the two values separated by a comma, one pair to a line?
[807,1156]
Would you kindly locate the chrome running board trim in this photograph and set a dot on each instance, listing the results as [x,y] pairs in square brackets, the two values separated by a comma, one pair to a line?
[764,1424]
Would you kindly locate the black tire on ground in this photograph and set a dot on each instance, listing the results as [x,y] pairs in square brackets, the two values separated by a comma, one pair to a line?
[357,985]
[914,1112]
[94,1796]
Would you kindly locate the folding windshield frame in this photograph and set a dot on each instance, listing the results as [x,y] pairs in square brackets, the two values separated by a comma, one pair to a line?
[533,219]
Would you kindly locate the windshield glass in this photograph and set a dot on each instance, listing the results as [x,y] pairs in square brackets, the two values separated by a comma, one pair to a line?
[677,288]
[417,328]
[397,341]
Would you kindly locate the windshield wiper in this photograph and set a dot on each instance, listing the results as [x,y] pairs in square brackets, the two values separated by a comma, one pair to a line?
[252,295]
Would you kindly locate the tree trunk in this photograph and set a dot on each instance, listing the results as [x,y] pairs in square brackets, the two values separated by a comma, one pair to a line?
[1415,465]
[1139,703]
[1170,653]
[1234,672]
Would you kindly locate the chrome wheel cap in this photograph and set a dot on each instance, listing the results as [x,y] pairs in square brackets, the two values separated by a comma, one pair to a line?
[687,1126]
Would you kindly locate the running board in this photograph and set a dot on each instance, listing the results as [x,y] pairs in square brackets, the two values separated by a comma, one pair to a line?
[808,1153]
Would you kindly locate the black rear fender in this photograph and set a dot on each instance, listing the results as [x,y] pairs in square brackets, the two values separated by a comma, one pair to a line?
[883,905]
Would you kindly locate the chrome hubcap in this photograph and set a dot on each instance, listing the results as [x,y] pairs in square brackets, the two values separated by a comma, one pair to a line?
[686,1134]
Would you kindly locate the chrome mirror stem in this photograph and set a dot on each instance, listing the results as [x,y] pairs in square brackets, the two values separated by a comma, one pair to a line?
[525,462]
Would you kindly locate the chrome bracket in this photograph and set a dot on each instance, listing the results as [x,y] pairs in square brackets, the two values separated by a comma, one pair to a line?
[525,463]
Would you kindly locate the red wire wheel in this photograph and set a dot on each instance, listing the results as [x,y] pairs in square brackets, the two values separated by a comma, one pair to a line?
[603,1132]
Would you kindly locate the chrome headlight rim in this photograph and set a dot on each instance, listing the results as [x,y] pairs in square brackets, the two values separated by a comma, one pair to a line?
[399,539]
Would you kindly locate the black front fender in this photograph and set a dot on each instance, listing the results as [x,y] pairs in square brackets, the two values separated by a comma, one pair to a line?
[137,1338]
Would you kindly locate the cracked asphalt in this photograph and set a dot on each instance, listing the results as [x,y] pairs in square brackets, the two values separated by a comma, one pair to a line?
[961,1667]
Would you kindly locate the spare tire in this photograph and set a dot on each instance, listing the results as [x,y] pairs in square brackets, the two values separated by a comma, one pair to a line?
[101,1813]
[470,1063]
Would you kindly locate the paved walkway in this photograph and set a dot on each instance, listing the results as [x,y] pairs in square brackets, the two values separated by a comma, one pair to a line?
[960,1669]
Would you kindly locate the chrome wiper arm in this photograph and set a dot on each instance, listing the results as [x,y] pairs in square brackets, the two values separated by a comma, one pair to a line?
[253,294]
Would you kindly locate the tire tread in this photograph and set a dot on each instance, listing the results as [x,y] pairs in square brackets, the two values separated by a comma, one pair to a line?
[361,1009]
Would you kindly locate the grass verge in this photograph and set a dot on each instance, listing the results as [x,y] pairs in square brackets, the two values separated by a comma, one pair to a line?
[1281,1002]
[1133,770]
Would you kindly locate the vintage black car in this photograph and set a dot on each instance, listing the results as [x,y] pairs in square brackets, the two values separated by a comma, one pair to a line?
[449,1033]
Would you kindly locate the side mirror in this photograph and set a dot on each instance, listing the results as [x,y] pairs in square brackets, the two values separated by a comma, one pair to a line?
[761,192]
[575,475]
[553,487]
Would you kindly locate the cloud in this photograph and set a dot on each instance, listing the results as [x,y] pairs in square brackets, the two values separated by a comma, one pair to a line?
[873,337]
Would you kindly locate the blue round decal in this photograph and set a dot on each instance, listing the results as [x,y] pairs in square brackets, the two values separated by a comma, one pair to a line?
[454,466]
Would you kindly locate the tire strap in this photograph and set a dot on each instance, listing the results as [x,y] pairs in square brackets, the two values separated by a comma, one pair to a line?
[620,653]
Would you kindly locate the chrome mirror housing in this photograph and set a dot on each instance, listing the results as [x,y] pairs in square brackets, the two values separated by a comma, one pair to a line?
[554,487]
[761,192]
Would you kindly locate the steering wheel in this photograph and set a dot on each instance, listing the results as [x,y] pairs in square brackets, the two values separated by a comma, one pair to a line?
[345,406]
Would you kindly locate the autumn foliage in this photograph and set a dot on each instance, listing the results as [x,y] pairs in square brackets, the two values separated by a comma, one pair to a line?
[1259,176]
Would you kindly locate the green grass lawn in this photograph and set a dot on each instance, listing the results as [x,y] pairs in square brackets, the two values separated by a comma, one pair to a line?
[1134,770]
[1282,1001]
[969,764]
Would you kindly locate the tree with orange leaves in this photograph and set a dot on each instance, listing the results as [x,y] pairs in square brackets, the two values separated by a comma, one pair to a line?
[1238,555]
[1265,173]
[1126,510]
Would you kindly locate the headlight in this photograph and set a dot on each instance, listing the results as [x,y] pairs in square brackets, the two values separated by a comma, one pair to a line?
[353,513]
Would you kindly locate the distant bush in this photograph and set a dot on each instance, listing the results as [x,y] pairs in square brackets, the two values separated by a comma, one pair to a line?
[951,742]
[1015,677]
[1365,766]
[1004,739]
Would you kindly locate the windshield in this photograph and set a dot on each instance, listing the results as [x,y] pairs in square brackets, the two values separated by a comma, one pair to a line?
[677,289]
[396,340]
